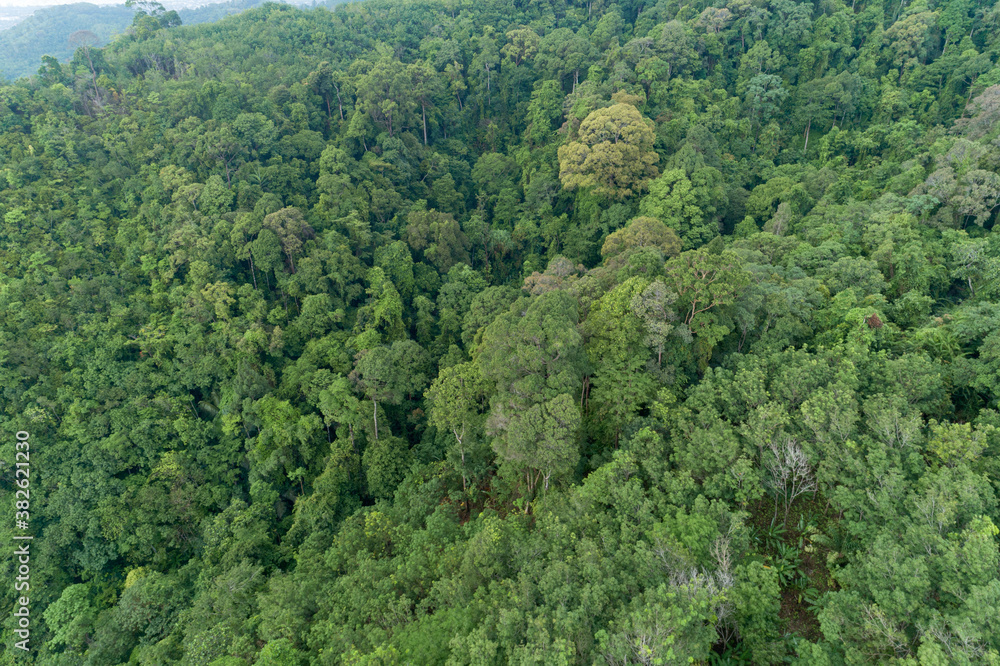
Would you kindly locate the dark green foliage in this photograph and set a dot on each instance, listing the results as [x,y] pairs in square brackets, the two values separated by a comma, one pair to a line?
[431,332]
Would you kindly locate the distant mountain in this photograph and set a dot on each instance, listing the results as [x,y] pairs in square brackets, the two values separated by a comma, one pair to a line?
[11,16]
[47,31]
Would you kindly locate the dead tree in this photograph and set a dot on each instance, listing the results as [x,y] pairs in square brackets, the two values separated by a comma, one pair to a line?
[790,473]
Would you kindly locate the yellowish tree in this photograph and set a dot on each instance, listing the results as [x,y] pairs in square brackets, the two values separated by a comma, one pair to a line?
[613,153]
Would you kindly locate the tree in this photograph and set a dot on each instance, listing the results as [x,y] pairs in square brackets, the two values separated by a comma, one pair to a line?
[613,153]
[85,39]
[328,84]
[427,86]
[983,113]
[381,318]
[220,144]
[910,40]
[484,65]
[265,253]
[703,281]
[281,652]
[457,401]
[764,97]
[522,45]
[956,443]
[790,473]
[973,262]
[618,355]
[673,200]
[386,461]
[290,228]
[145,7]
[390,374]
[638,233]
[668,625]
[383,88]
[71,617]
[339,405]
[978,196]
[541,440]
[533,358]
[438,236]
[544,109]
[534,351]
[654,308]
[256,132]
[676,50]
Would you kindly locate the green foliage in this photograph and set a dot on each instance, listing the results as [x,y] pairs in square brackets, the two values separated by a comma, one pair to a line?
[71,617]
[673,200]
[613,154]
[508,333]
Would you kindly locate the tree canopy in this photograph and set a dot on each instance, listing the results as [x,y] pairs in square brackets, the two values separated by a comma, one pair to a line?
[422,331]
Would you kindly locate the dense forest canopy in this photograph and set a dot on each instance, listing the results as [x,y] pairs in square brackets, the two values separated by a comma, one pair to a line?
[442,332]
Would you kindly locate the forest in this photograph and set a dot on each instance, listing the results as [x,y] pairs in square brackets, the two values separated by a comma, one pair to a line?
[508,332]
[56,31]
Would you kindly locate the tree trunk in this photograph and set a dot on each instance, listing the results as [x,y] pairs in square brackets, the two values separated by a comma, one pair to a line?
[93,73]
[340,102]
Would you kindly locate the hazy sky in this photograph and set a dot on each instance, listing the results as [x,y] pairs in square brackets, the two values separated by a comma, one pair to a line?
[47,3]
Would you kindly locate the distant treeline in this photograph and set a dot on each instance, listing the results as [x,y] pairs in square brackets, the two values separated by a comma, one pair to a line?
[48,30]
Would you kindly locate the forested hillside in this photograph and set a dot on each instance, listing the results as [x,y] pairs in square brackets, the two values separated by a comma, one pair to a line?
[56,31]
[47,31]
[447,332]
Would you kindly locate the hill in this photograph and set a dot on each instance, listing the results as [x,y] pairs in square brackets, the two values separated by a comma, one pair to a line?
[47,31]
[11,16]
[550,332]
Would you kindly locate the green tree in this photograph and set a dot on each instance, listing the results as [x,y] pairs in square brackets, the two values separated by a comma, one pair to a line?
[641,232]
[621,386]
[438,236]
[672,200]
[458,404]
[390,374]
